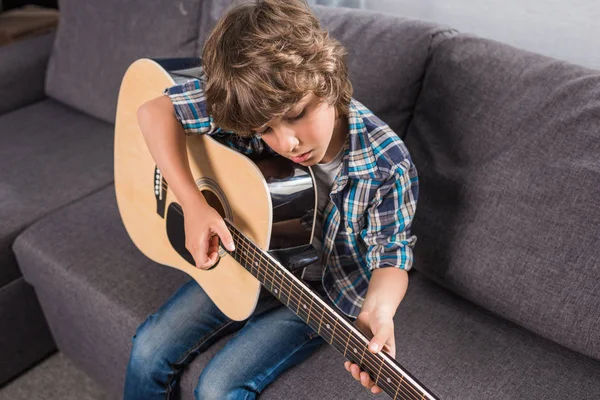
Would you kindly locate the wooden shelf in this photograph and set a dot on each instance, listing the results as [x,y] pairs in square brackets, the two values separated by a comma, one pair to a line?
[30,20]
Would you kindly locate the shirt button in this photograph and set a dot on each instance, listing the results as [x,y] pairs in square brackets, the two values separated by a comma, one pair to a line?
[349,230]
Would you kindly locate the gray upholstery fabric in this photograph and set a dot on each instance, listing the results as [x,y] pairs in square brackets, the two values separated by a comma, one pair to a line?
[96,288]
[507,145]
[24,335]
[386,58]
[97,41]
[23,70]
[51,156]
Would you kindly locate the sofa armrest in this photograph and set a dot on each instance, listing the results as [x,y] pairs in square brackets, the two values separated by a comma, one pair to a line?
[23,71]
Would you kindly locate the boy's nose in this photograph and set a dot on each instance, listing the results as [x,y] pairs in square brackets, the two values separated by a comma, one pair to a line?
[288,141]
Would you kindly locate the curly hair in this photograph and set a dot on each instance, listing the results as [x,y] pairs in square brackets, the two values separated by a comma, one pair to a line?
[265,56]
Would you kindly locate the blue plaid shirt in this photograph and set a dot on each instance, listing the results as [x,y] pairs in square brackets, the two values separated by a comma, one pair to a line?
[367,222]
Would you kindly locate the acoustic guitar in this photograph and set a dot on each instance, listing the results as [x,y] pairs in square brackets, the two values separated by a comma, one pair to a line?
[268,205]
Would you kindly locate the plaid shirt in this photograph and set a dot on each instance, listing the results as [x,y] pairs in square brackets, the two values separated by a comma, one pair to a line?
[373,199]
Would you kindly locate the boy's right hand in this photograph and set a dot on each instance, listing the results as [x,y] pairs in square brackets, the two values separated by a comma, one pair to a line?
[203,228]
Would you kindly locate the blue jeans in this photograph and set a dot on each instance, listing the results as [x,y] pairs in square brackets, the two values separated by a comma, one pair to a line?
[269,342]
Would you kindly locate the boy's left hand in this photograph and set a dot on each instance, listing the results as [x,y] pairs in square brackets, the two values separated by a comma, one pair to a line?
[380,327]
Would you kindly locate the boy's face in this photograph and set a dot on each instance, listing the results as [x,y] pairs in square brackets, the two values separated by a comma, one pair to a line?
[307,134]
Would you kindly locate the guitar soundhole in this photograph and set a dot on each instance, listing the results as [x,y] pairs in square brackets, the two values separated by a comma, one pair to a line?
[176,225]
[176,232]
[214,202]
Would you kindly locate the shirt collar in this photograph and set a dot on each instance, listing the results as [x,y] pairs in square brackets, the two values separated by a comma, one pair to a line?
[359,159]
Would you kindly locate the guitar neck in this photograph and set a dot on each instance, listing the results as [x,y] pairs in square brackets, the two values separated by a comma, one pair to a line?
[386,372]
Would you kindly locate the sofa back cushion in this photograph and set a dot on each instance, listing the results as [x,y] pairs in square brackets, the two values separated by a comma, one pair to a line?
[97,40]
[507,145]
[386,58]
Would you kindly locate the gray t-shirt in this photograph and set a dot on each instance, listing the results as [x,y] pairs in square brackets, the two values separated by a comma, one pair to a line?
[324,176]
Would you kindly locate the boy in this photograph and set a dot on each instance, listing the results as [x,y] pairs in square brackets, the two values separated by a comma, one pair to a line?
[275,83]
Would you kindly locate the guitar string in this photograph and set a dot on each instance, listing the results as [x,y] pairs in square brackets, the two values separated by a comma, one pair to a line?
[366,355]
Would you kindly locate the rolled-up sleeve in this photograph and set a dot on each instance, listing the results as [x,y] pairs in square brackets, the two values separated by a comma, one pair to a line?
[387,232]
[189,102]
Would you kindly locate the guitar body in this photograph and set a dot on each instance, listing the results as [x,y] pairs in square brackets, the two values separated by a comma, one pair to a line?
[231,183]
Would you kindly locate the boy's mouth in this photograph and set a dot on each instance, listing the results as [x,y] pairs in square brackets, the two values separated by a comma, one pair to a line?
[301,158]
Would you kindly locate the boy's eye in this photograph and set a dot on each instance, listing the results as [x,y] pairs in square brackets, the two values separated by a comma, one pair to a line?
[268,129]
[297,117]
[259,134]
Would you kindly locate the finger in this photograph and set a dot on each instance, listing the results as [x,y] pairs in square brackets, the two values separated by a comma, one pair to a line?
[212,259]
[365,380]
[213,246]
[347,366]
[225,235]
[209,261]
[376,389]
[381,337]
[211,254]
[392,347]
[200,255]
[355,370]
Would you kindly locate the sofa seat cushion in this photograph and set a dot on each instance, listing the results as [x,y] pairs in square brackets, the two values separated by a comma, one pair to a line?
[50,155]
[507,146]
[25,337]
[96,288]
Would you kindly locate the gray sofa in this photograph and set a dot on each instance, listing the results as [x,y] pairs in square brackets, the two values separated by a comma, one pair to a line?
[504,298]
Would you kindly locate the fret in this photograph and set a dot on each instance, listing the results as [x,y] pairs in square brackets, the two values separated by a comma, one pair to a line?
[347,341]
[310,308]
[266,282]
[362,357]
[279,274]
[390,372]
[379,372]
[323,330]
[295,303]
[245,248]
[253,262]
[305,298]
[331,329]
[262,271]
[269,278]
[398,388]
[326,330]
[256,266]
[312,323]
[320,322]
[236,256]
[291,285]
[335,326]
[298,308]
[256,263]
[259,270]
[353,355]
[302,308]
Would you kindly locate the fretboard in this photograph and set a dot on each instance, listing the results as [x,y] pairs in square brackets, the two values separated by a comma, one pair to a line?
[386,372]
